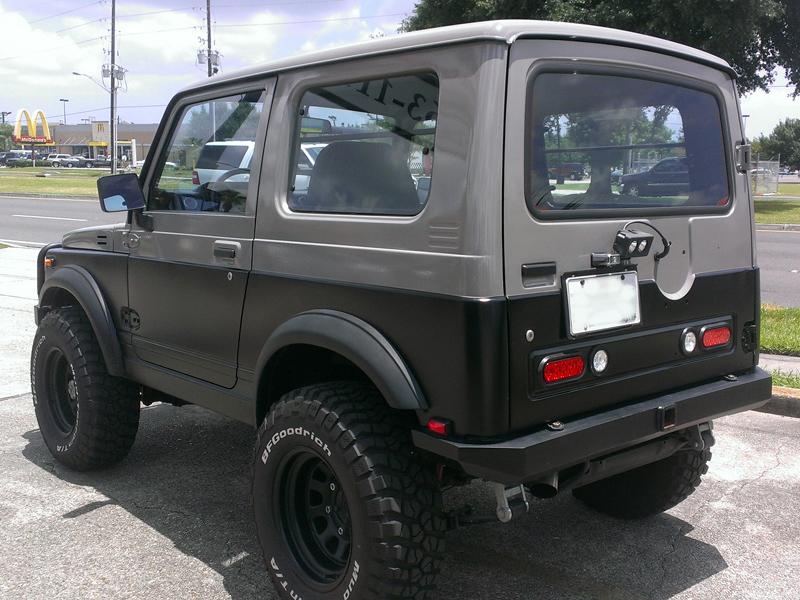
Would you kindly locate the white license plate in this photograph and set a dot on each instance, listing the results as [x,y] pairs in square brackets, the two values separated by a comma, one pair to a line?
[600,302]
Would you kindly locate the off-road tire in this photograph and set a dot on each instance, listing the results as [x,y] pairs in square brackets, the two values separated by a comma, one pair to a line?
[343,506]
[87,417]
[647,490]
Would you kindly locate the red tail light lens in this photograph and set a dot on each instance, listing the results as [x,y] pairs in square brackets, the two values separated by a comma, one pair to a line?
[195,178]
[719,336]
[564,368]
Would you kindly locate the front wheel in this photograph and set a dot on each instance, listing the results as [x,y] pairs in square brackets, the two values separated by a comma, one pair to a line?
[649,489]
[343,507]
[87,417]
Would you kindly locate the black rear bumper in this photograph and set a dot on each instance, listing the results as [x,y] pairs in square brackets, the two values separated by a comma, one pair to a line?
[537,454]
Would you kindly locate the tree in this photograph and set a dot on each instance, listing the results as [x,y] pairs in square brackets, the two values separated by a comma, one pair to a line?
[754,36]
[6,132]
[784,141]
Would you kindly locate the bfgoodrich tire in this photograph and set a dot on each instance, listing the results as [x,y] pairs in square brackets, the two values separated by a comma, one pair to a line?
[343,508]
[647,490]
[88,418]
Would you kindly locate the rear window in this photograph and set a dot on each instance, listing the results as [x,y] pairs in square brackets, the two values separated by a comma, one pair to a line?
[601,143]
[221,157]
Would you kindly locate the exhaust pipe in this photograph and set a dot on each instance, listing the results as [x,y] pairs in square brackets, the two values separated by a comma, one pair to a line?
[547,487]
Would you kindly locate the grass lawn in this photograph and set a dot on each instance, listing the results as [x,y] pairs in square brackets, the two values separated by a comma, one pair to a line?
[780,330]
[70,182]
[777,211]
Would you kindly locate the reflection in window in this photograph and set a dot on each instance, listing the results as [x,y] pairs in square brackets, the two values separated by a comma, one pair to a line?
[207,164]
[640,144]
[365,147]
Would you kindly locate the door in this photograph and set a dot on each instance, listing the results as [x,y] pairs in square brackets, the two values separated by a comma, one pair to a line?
[602,285]
[189,264]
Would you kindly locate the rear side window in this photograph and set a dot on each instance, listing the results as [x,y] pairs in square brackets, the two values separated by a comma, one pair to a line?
[602,144]
[365,147]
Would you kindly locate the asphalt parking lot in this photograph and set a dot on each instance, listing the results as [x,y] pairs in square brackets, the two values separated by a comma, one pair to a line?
[173,520]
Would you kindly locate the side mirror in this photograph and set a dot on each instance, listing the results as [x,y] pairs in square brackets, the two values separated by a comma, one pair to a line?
[120,192]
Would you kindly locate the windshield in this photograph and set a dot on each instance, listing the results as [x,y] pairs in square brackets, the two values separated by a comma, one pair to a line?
[608,143]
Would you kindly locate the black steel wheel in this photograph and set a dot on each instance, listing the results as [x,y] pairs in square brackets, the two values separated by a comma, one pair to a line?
[343,507]
[88,418]
[647,490]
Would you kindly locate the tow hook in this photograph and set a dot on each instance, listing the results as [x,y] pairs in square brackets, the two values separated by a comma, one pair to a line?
[512,502]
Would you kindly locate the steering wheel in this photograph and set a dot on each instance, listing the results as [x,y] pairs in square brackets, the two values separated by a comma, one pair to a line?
[216,188]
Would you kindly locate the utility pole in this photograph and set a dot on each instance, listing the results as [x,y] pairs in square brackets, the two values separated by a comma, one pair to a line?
[208,36]
[113,123]
[64,100]
[3,115]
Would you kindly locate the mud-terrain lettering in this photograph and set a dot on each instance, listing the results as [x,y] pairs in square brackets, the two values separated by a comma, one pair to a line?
[282,580]
[353,579]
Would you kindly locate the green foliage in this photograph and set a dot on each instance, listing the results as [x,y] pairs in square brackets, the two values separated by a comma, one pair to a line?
[784,141]
[754,36]
[6,131]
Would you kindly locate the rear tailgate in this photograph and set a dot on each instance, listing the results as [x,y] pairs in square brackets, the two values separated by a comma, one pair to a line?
[613,108]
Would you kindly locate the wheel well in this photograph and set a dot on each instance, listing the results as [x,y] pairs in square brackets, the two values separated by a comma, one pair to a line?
[301,365]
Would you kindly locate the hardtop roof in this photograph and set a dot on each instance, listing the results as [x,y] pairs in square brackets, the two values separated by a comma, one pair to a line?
[501,31]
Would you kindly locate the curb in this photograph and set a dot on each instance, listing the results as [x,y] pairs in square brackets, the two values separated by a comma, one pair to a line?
[784,402]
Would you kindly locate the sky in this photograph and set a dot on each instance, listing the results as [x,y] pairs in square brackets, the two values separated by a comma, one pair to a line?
[43,42]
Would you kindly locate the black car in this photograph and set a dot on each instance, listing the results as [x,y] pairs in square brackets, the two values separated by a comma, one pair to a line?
[668,177]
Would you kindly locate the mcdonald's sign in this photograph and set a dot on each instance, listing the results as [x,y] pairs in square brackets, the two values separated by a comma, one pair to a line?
[32,138]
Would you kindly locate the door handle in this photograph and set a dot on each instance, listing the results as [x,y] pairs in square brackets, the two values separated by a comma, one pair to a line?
[222,252]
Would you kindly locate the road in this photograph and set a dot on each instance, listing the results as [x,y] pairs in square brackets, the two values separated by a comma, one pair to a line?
[174,519]
[38,221]
[779,260]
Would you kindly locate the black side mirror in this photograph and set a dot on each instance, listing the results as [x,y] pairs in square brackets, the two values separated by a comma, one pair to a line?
[120,192]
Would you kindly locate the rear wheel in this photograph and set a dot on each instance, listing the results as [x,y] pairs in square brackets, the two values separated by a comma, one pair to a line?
[632,190]
[649,489]
[343,507]
[88,418]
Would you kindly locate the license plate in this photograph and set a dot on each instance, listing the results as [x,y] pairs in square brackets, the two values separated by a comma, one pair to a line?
[600,302]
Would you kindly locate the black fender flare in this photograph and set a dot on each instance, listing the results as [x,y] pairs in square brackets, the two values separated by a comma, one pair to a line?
[80,284]
[354,339]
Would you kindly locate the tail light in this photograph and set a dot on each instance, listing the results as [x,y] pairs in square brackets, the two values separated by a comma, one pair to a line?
[195,178]
[560,369]
[716,336]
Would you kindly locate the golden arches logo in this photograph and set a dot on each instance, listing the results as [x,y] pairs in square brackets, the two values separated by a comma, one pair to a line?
[32,138]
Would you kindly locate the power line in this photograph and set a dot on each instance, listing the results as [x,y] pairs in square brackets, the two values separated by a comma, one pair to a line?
[66,12]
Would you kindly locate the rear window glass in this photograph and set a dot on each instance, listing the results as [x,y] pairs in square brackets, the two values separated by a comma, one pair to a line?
[607,144]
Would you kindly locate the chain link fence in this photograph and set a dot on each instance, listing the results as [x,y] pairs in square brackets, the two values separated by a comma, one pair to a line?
[765,177]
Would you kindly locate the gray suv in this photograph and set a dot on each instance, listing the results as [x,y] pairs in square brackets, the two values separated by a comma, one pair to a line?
[388,343]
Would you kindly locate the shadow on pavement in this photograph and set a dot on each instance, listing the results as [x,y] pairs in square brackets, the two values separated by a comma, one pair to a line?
[188,478]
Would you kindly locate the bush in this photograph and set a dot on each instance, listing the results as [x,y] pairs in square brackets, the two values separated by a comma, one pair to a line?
[19,164]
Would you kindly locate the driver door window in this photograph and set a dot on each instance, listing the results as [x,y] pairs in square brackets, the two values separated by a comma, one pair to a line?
[206,167]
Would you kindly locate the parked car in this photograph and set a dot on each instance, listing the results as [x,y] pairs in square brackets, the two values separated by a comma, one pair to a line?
[12,157]
[668,177]
[217,158]
[571,171]
[387,345]
[58,160]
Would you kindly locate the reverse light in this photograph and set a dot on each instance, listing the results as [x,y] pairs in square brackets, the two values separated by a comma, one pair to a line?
[718,336]
[562,368]
[688,341]
[599,362]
